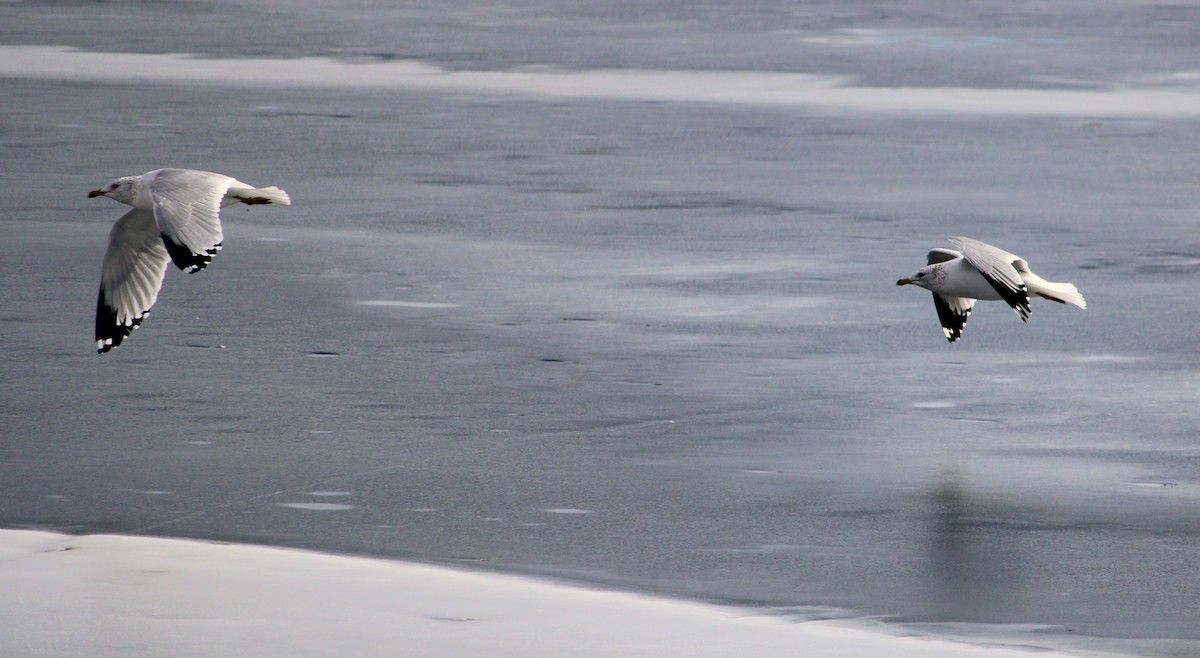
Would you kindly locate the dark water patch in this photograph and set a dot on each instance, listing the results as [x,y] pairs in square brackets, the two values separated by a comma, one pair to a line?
[221,418]
[466,558]
[556,188]
[139,395]
[1171,262]
[700,202]
[276,112]
[377,406]
[861,513]
[231,431]
[456,180]
[454,619]
[597,150]
[1099,264]
[870,218]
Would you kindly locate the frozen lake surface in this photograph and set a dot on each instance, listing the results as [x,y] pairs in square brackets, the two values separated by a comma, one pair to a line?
[607,294]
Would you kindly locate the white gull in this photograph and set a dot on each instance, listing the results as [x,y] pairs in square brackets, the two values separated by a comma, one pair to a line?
[981,271]
[175,217]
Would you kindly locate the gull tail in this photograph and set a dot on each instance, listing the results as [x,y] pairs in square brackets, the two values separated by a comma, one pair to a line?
[1063,293]
[270,194]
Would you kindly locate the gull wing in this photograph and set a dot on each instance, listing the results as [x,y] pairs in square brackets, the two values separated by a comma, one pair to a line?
[130,279]
[187,205]
[999,268]
[939,255]
[952,313]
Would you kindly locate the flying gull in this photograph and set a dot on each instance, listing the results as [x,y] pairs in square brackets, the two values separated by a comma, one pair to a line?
[175,218]
[981,271]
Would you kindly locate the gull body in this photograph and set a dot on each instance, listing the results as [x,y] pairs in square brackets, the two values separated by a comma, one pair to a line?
[175,218]
[983,272]
[956,278]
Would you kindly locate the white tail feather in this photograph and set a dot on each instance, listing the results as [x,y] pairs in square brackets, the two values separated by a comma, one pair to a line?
[273,193]
[1063,293]
[250,195]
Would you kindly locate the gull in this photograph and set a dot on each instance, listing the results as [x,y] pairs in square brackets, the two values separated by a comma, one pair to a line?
[981,271]
[175,218]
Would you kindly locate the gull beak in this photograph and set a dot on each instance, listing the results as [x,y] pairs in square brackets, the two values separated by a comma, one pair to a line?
[904,282]
[95,193]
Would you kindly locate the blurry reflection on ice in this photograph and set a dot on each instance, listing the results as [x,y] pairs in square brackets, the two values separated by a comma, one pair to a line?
[973,573]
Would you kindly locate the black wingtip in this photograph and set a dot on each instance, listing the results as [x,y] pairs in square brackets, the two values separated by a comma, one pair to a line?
[185,260]
[1023,308]
[110,333]
[952,321]
[1018,299]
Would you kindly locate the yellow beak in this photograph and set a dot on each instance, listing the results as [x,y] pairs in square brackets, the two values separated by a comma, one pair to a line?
[904,282]
[95,193]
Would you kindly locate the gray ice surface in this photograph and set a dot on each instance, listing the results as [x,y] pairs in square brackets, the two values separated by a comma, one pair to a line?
[651,345]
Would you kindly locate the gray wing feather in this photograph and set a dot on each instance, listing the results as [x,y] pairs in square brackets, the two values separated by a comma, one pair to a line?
[187,205]
[1000,269]
[131,277]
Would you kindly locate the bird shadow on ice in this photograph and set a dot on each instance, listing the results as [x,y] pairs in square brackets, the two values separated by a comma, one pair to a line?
[975,571]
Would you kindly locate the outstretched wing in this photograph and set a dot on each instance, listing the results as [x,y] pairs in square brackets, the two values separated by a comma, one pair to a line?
[132,274]
[952,313]
[1000,269]
[187,205]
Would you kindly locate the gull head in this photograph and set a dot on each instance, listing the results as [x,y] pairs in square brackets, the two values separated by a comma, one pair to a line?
[923,278]
[123,189]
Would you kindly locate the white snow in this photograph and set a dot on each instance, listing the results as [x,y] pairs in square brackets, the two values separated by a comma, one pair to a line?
[110,595]
[1156,96]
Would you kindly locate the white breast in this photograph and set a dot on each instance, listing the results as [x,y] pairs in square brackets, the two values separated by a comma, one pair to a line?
[963,280]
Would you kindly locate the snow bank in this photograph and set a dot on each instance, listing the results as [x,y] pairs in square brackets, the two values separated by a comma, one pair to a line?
[106,595]
[1162,97]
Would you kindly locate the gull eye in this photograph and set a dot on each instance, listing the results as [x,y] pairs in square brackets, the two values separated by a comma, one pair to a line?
[920,274]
